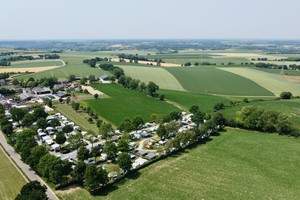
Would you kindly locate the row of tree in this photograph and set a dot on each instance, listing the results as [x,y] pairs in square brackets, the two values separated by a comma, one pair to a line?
[31,82]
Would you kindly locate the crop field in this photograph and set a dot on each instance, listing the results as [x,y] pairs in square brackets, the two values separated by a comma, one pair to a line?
[160,76]
[37,63]
[212,80]
[280,71]
[124,103]
[74,66]
[273,82]
[188,99]
[11,181]
[237,164]
[80,118]
[289,107]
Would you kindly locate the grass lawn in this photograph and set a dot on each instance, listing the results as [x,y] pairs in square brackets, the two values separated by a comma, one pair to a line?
[11,181]
[160,76]
[74,66]
[37,63]
[273,82]
[80,118]
[211,80]
[237,164]
[289,107]
[188,99]
[125,103]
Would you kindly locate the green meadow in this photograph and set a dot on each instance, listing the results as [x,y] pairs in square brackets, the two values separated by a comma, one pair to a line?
[124,103]
[237,164]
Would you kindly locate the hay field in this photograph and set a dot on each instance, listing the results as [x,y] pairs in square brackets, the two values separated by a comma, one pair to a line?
[273,82]
[160,76]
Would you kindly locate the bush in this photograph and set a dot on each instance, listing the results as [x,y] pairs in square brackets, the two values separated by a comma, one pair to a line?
[286,95]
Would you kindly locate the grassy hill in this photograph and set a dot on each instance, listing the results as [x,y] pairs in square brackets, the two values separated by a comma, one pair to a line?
[212,80]
[11,181]
[235,165]
[124,103]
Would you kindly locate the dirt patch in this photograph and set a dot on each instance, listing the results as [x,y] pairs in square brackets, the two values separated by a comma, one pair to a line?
[26,69]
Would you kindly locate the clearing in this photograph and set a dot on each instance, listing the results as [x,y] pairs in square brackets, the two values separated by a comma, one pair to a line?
[212,80]
[237,164]
[273,82]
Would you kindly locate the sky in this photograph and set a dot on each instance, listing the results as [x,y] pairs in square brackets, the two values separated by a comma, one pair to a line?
[149,19]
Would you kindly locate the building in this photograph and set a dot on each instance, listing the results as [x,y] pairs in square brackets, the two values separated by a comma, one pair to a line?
[105,79]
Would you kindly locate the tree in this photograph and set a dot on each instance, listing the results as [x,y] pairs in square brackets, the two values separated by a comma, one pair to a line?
[33,191]
[105,129]
[94,178]
[123,145]
[75,105]
[59,170]
[28,119]
[110,149]
[194,109]
[162,132]
[137,122]
[36,154]
[45,164]
[39,112]
[7,128]
[67,129]
[219,119]
[126,126]
[83,153]
[175,115]
[96,96]
[78,173]
[162,97]
[54,122]
[198,118]
[60,138]
[25,142]
[286,95]
[124,161]
[219,106]
[17,114]
[152,89]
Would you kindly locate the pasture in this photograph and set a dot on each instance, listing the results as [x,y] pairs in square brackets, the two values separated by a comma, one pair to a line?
[212,80]
[272,82]
[188,99]
[124,103]
[11,181]
[237,164]
[160,76]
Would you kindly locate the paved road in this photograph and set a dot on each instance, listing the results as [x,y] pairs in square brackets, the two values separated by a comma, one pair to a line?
[30,174]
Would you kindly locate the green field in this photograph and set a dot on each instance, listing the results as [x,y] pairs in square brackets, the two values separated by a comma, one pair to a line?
[74,66]
[236,165]
[160,76]
[80,118]
[124,103]
[273,82]
[188,99]
[37,63]
[289,107]
[11,181]
[212,80]
[280,71]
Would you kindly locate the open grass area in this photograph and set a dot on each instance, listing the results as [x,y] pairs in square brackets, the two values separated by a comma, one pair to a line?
[273,82]
[37,63]
[237,164]
[188,99]
[160,76]
[289,107]
[74,66]
[124,103]
[212,80]
[11,181]
[80,118]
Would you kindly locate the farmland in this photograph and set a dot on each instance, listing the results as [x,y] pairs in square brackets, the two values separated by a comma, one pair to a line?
[37,63]
[211,80]
[124,103]
[273,82]
[235,165]
[74,66]
[11,181]
[160,76]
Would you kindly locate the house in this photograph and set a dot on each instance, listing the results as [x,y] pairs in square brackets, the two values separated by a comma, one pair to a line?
[41,90]
[150,156]
[105,79]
